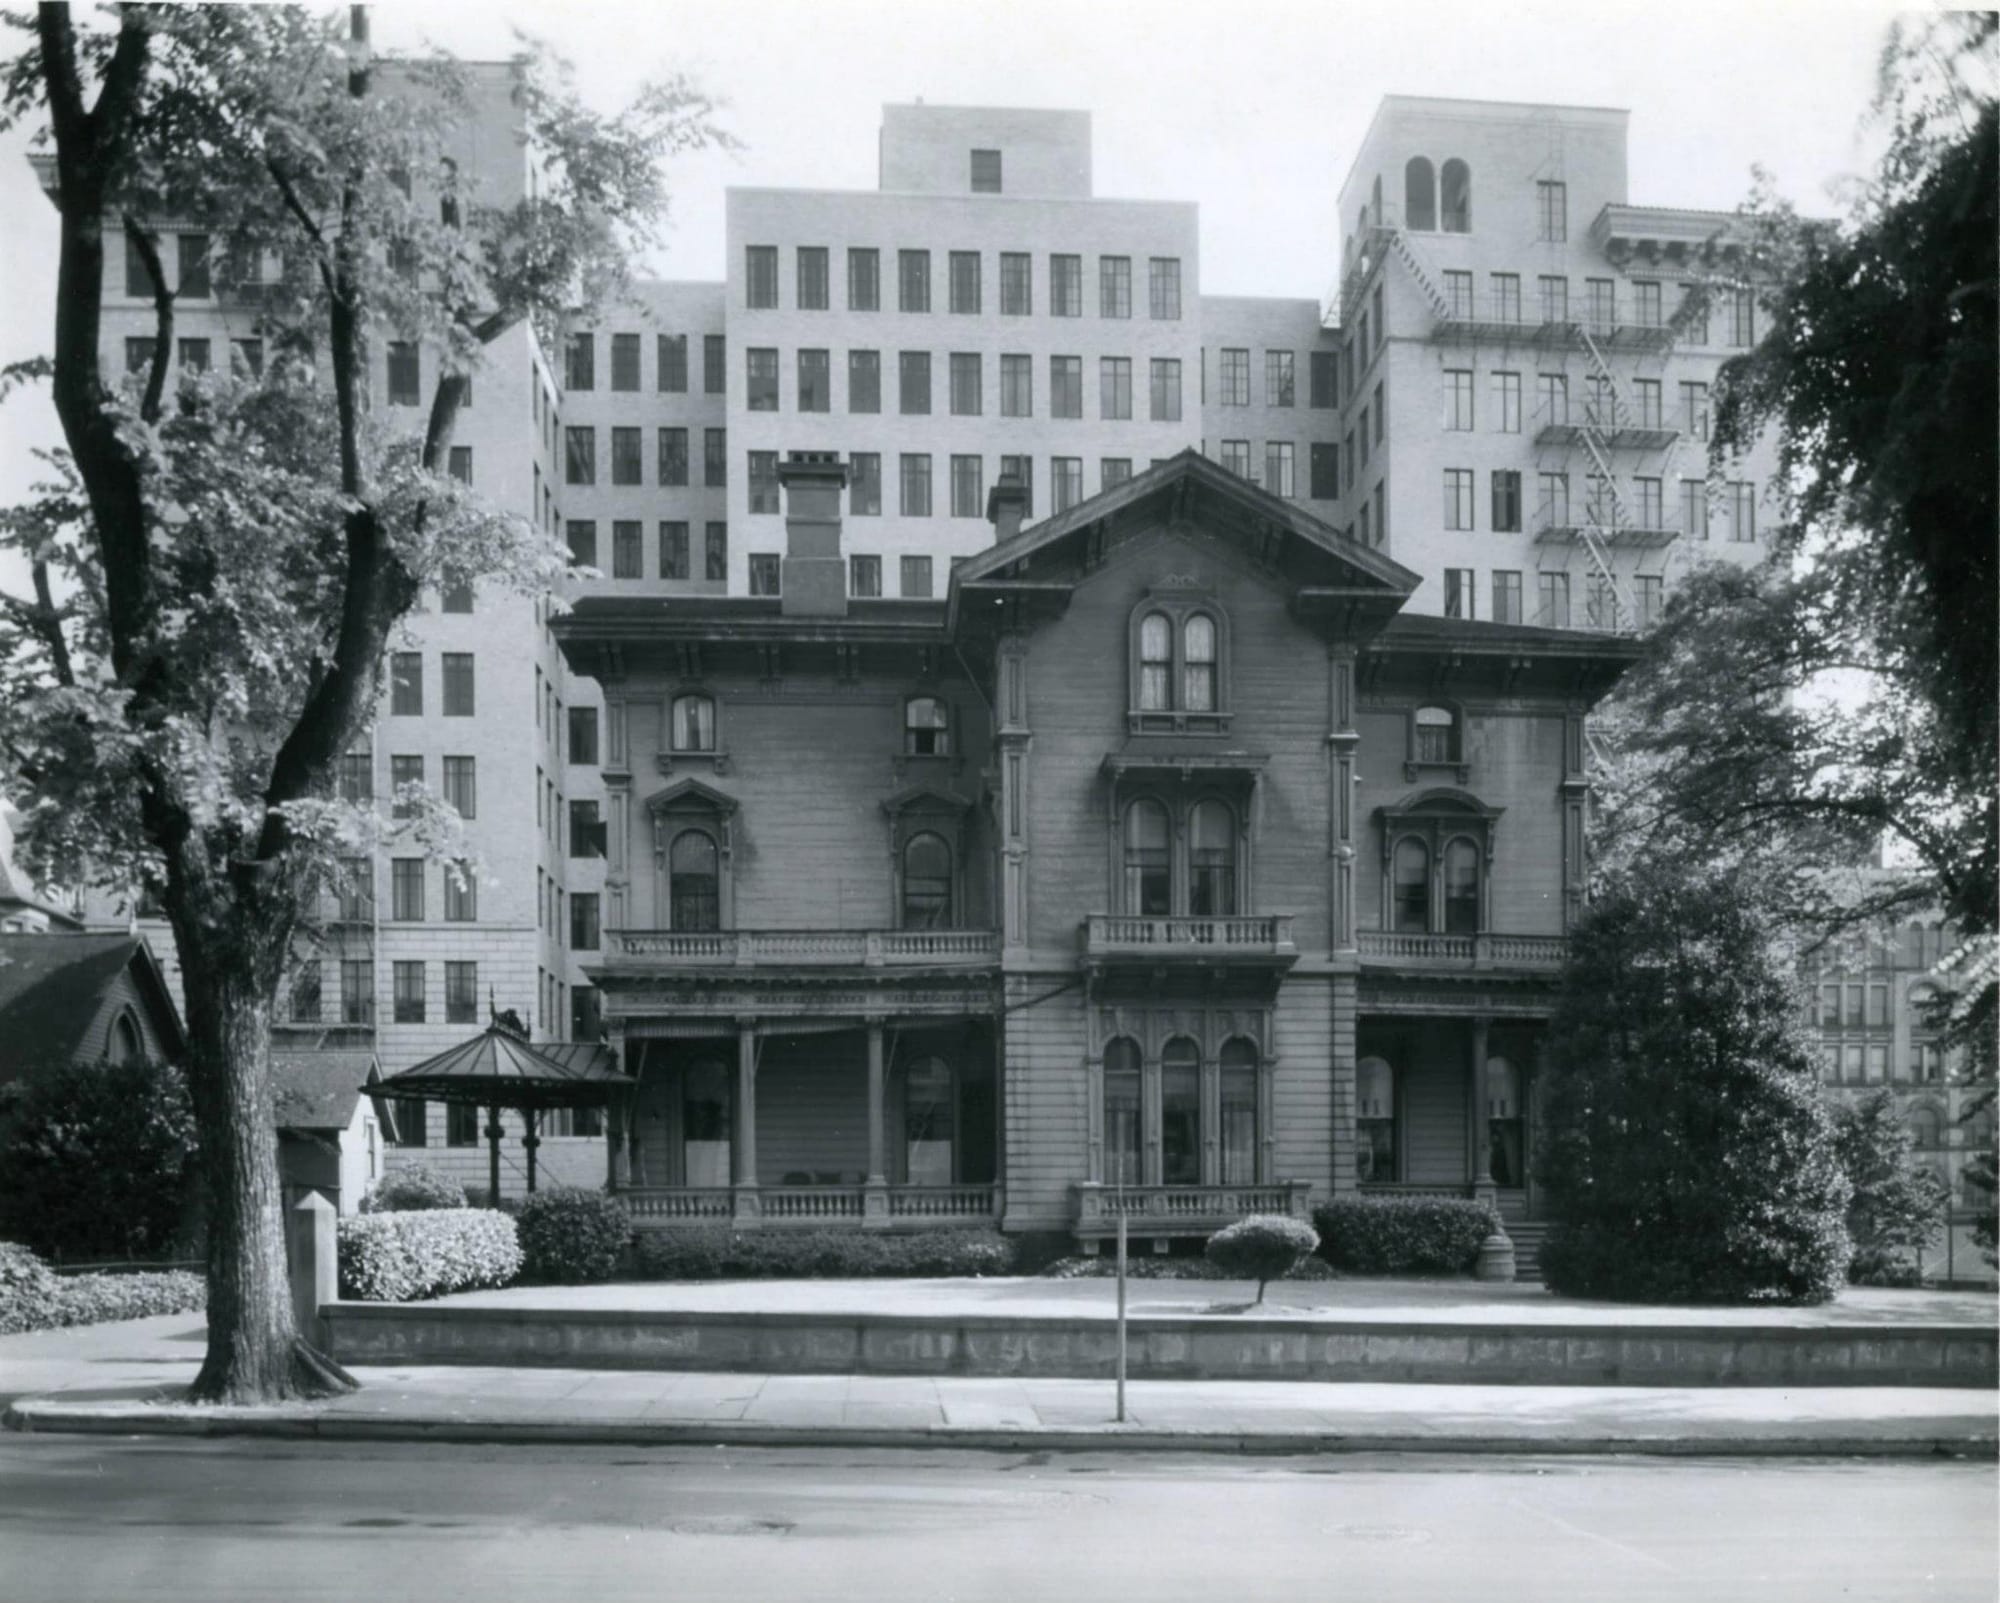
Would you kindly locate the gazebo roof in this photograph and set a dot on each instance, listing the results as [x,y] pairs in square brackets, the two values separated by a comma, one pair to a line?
[500,1068]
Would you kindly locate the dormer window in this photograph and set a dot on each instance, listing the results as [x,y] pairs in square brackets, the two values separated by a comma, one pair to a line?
[926,727]
[1178,666]
[694,723]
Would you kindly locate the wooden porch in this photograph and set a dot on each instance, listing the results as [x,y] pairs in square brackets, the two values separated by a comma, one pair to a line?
[861,1206]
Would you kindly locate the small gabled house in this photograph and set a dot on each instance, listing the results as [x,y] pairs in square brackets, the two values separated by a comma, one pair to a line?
[83,998]
[331,1131]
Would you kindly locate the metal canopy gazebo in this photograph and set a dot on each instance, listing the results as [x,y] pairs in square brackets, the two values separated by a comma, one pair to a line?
[499,1068]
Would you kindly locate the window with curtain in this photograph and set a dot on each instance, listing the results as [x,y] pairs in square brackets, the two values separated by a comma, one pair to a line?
[1121,1112]
[1435,727]
[1411,887]
[1505,1123]
[1212,860]
[694,723]
[1461,888]
[926,727]
[1148,880]
[1198,664]
[1239,1113]
[1375,1121]
[1180,1113]
[928,1107]
[1156,663]
[693,865]
[926,883]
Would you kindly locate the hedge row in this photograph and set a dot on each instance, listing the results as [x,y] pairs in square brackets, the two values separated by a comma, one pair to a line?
[33,1297]
[570,1236]
[1364,1235]
[713,1254]
[399,1257]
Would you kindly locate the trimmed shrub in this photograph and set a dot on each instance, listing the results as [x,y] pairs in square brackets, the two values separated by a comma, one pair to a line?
[96,1160]
[417,1189]
[1262,1248]
[570,1235]
[1362,1235]
[400,1257]
[32,1297]
[712,1254]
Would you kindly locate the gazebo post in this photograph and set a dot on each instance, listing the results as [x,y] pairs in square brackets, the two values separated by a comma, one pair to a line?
[530,1117]
[493,1157]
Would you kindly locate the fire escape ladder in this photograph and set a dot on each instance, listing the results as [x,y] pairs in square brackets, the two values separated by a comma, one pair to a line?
[1440,303]
[1624,614]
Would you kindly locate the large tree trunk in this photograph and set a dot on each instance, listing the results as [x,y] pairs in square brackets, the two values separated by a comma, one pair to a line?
[255,1353]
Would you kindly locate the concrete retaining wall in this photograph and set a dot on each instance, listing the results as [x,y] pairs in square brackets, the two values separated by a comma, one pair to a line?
[1166,1349]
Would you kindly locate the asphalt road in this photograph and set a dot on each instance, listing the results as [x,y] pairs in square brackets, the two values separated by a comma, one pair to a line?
[217,1521]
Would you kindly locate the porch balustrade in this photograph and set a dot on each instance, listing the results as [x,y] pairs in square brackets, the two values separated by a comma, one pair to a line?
[1487,950]
[810,1206]
[1182,1210]
[641,949]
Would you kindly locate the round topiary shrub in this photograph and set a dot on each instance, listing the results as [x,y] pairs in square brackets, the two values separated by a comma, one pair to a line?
[1262,1248]
[416,1189]
[572,1236]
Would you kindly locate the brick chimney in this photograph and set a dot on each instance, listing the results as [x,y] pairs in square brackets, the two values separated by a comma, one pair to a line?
[813,576]
[1006,506]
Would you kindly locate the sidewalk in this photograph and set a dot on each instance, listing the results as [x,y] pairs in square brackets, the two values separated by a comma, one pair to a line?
[121,1379]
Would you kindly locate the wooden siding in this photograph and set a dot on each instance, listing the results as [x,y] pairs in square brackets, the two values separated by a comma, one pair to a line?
[1304,1091]
[1343,1050]
[122,993]
[812,1108]
[1430,1087]
[1046,1093]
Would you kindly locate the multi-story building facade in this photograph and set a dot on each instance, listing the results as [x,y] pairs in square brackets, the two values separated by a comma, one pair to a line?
[1524,397]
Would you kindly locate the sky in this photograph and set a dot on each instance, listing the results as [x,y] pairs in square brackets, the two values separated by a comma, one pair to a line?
[1252,108]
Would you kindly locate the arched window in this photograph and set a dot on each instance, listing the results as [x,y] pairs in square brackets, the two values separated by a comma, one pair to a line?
[928,1123]
[1420,194]
[694,723]
[1504,1123]
[1148,880]
[1121,1112]
[1198,664]
[1436,735]
[1461,888]
[1156,663]
[1455,191]
[1239,1112]
[926,883]
[1926,1128]
[1412,887]
[926,727]
[692,865]
[1375,1120]
[1180,1113]
[705,1123]
[1212,860]
[125,1045]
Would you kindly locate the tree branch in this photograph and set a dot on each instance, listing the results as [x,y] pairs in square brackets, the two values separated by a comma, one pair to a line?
[163,317]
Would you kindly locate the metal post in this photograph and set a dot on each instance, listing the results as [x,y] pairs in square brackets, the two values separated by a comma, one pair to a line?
[1121,1305]
[530,1141]
[492,1157]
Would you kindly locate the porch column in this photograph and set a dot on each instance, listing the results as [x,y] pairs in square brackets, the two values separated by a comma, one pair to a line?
[875,1193]
[743,1128]
[1480,1142]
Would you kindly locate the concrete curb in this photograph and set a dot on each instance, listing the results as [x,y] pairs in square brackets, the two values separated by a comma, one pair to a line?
[38,1417]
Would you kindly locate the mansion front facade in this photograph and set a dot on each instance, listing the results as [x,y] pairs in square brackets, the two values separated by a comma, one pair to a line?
[1163,865]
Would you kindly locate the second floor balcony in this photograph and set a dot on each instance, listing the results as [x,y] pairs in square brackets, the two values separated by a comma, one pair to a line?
[1250,942]
[1425,950]
[644,951]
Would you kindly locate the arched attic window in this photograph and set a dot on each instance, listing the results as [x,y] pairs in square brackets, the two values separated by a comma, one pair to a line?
[1420,194]
[125,1045]
[1455,193]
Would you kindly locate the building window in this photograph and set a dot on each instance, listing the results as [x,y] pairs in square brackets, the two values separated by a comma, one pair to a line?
[765,496]
[1507,297]
[1021,469]
[625,361]
[1114,387]
[1235,377]
[1323,379]
[715,552]
[811,264]
[1458,593]
[967,384]
[1180,1113]
[693,728]
[582,540]
[306,995]
[1419,194]
[714,369]
[864,381]
[1165,384]
[626,461]
[406,776]
[1651,497]
[913,280]
[1552,508]
[1065,286]
[1506,403]
[815,381]
[406,684]
[761,367]
[1279,474]
[962,273]
[461,894]
[760,277]
[926,883]
[1506,595]
[1601,304]
[406,890]
[1236,457]
[1164,288]
[1458,498]
[1458,292]
[766,574]
[714,458]
[1743,317]
[1742,511]
[1458,400]
[1017,274]
[1506,501]
[968,491]
[1122,1103]
[1017,386]
[914,391]
[1551,211]
[914,576]
[864,279]
[1065,482]
[670,356]
[1375,1122]
[864,576]
[1648,597]
[405,378]
[628,548]
[1279,384]
[461,996]
[458,692]
[194,356]
[580,456]
[580,362]
[409,993]
[583,736]
[1455,196]
[864,484]
[1411,886]
[1552,600]
[673,458]
[1113,471]
[1148,871]
[1114,286]
[916,485]
[583,926]
[986,172]
[1554,291]
[1324,469]
[356,782]
[693,863]
[1211,860]
[461,1124]
[461,784]
[1065,386]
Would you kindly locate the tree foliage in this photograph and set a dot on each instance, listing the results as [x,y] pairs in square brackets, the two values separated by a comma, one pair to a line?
[1686,1154]
[219,561]
[1899,1204]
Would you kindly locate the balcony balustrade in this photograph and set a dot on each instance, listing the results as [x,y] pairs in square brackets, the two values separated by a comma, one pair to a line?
[725,949]
[1193,936]
[1421,950]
